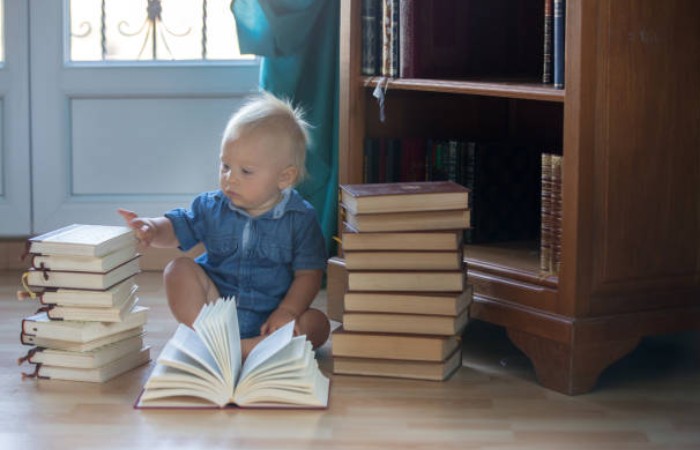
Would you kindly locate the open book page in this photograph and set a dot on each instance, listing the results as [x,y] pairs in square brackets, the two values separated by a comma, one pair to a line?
[200,367]
[217,326]
[186,368]
[303,385]
[268,347]
[285,360]
[285,373]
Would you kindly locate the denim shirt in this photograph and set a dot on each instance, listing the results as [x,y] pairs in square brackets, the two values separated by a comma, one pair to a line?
[252,258]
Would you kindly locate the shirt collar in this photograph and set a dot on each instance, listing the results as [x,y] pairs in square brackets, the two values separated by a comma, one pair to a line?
[291,201]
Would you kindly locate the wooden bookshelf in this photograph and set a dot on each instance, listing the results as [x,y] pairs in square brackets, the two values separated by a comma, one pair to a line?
[627,126]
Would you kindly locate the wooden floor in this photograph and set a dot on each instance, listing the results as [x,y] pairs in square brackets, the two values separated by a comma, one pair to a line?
[649,400]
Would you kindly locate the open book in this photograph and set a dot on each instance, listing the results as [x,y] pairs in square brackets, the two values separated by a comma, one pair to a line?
[202,367]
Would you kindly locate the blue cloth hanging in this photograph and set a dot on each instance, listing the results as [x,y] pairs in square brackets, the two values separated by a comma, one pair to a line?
[297,41]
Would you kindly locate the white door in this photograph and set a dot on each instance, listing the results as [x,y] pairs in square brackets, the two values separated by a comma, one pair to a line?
[15,183]
[143,135]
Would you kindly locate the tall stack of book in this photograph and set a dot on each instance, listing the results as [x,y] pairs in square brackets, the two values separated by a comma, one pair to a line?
[407,297]
[89,326]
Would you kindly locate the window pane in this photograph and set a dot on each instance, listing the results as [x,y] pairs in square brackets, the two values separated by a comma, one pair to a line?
[132,30]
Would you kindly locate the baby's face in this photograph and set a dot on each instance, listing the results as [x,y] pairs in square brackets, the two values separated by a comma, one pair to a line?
[254,169]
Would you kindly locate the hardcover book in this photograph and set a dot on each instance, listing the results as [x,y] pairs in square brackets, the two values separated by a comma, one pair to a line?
[411,281]
[410,221]
[85,263]
[82,240]
[403,260]
[380,198]
[81,280]
[371,15]
[90,314]
[393,346]
[90,359]
[419,370]
[41,326]
[405,323]
[336,285]
[97,374]
[57,344]
[202,367]
[449,240]
[559,25]
[109,298]
[431,303]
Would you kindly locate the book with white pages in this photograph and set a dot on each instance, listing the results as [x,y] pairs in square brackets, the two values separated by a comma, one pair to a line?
[89,314]
[203,368]
[108,298]
[81,263]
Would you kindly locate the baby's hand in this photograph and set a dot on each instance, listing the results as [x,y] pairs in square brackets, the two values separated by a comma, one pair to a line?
[277,319]
[144,229]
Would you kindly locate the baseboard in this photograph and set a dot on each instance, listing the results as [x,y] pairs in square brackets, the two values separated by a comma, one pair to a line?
[11,251]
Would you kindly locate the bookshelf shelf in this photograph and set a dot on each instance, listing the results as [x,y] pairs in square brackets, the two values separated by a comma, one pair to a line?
[515,260]
[630,228]
[523,90]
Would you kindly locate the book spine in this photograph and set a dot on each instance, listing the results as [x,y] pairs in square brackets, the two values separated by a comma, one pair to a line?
[556,208]
[370,37]
[386,27]
[558,46]
[548,42]
[395,33]
[407,43]
[546,214]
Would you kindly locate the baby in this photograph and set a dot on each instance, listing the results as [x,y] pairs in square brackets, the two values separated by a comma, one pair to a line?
[263,241]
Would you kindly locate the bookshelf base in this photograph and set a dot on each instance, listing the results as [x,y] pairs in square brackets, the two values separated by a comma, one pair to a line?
[568,353]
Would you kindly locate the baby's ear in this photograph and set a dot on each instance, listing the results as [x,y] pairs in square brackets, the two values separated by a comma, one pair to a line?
[288,177]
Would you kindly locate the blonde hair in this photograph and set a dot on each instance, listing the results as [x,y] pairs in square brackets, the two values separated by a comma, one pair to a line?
[276,115]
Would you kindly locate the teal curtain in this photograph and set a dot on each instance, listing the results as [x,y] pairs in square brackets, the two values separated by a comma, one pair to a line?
[297,41]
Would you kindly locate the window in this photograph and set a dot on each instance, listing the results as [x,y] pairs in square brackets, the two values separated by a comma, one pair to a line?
[153,30]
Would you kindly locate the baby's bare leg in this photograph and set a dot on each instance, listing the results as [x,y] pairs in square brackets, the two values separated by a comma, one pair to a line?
[315,325]
[188,288]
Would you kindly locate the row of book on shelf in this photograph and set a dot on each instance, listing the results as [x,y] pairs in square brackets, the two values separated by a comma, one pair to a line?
[515,189]
[404,290]
[463,38]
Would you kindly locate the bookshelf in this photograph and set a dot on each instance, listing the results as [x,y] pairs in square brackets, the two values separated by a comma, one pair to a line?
[627,127]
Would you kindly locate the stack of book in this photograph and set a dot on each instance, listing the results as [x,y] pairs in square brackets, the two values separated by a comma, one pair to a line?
[407,298]
[89,326]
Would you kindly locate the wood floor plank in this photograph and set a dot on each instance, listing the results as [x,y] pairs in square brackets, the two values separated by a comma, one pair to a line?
[648,400]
